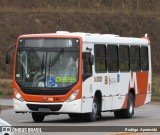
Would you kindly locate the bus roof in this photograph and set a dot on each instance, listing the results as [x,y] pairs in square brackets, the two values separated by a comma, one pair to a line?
[93,37]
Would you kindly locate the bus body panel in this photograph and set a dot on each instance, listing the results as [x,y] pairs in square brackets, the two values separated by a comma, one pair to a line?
[115,92]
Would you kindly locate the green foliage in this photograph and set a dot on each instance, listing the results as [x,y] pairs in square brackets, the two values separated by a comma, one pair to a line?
[1,93]
[156,85]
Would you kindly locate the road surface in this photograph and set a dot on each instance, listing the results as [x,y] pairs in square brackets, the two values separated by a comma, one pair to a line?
[147,115]
[6,102]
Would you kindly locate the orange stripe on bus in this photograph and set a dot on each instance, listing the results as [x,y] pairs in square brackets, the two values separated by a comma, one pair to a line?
[140,99]
[142,84]
[124,106]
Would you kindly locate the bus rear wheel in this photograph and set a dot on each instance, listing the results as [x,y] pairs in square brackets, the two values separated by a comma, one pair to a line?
[129,111]
[37,117]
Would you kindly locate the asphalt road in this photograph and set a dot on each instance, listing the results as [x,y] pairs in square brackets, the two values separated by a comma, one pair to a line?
[147,115]
[6,102]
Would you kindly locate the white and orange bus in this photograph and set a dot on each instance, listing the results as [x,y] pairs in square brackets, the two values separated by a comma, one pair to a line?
[80,74]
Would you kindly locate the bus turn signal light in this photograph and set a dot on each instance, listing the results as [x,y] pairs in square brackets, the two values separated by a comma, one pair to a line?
[73,96]
[18,95]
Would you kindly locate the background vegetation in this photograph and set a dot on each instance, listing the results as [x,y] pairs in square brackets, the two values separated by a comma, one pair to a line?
[123,17]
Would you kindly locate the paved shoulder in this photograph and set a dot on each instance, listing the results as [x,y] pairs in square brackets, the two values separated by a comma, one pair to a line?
[7,102]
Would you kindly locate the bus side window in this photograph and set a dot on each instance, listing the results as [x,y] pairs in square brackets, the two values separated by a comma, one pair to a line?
[135,58]
[124,58]
[100,58]
[144,58]
[112,59]
[87,67]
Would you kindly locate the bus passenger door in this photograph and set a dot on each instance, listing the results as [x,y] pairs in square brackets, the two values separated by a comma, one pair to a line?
[87,88]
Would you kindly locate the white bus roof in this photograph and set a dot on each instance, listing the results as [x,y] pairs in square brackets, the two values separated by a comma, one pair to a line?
[97,38]
[110,39]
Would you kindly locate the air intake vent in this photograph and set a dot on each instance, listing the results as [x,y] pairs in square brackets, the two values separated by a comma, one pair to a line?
[35,107]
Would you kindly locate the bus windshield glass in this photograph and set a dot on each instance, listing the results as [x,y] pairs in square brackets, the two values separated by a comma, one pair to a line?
[47,62]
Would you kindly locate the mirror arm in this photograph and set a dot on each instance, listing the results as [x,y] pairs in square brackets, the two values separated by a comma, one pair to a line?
[10,47]
[7,53]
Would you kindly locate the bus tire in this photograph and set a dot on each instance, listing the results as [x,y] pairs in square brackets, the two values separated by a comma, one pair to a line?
[118,114]
[37,117]
[93,115]
[129,112]
[73,115]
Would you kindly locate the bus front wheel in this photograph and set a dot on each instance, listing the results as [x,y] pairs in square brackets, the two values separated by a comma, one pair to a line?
[37,117]
[93,115]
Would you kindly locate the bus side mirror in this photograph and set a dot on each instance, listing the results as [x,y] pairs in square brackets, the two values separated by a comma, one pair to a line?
[91,59]
[7,58]
[7,54]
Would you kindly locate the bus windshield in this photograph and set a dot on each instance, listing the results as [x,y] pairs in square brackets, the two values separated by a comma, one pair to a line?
[41,66]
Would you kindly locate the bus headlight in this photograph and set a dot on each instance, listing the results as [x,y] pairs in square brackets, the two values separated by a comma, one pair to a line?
[73,96]
[18,95]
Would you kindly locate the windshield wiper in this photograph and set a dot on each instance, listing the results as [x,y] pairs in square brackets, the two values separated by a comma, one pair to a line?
[42,66]
[56,58]
[35,59]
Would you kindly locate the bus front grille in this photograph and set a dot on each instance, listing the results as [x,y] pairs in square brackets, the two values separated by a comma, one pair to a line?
[36,107]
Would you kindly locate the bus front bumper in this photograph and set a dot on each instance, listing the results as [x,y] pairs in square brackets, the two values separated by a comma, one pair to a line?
[61,107]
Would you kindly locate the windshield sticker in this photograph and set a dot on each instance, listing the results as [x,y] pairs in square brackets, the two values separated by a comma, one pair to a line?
[17,75]
[65,79]
[51,82]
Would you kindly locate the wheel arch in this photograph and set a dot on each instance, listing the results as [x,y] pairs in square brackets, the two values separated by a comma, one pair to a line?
[132,91]
[98,95]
